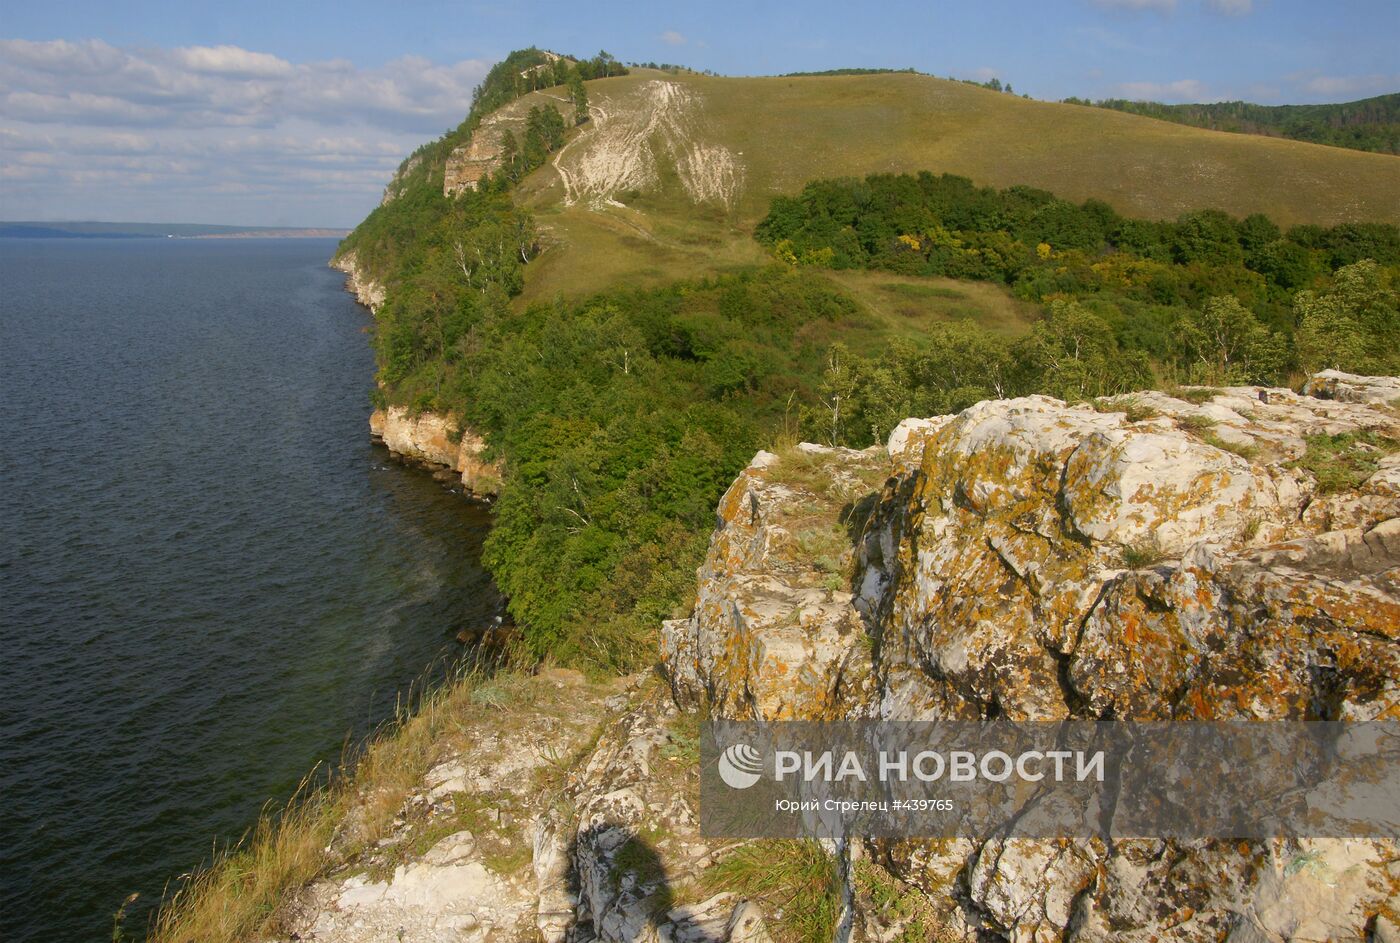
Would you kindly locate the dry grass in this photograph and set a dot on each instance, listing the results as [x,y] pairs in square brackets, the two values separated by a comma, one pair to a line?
[908,306]
[242,893]
[796,882]
[788,131]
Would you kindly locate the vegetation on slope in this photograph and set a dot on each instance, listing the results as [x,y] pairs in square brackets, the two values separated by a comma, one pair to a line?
[1205,299]
[786,131]
[1371,124]
[622,414]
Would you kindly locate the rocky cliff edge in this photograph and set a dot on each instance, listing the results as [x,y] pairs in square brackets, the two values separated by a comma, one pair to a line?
[1214,554]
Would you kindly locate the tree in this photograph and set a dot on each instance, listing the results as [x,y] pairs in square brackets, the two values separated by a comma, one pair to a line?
[1072,354]
[1225,343]
[838,386]
[1353,326]
[1208,236]
[510,151]
[579,94]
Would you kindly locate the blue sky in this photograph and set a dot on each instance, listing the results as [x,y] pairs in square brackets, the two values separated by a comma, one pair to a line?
[295,113]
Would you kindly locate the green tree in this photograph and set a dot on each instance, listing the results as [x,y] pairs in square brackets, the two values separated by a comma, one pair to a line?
[1073,354]
[1354,325]
[838,389]
[1224,343]
[510,154]
[579,94]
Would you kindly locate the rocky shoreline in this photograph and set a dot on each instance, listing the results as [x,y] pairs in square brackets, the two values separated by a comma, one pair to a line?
[440,443]
[367,292]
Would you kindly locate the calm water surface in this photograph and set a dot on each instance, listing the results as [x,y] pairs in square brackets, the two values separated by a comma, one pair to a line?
[209,578]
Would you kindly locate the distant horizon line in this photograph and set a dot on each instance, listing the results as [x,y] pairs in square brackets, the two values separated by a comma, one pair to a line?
[77,228]
[156,222]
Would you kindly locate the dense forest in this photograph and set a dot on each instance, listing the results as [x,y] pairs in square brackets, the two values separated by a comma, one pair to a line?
[622,417]
[1371,124]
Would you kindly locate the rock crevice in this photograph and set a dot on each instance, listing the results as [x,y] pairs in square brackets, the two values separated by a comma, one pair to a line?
[1150,557]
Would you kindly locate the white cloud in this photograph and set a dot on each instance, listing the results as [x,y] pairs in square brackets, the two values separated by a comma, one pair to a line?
[1191,90]
[88,129]
[1231,7]
[1349,86]
[231,60]
[1160,6]
[673,38]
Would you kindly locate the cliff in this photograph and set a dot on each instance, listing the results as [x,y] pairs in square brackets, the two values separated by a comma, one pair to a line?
[1224,554]
[1230,554]
[439,442]
[469,162]
[366,290]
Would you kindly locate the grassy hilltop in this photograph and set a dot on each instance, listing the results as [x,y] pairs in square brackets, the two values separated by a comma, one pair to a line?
[779,133]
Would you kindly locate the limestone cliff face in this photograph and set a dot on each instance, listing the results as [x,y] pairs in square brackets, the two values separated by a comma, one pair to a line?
[439,441]
[366,290]
[394,189]
[1154,558]
[434,440]
[468,163]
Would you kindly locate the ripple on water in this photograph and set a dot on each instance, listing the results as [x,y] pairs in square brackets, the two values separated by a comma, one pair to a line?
[209,577]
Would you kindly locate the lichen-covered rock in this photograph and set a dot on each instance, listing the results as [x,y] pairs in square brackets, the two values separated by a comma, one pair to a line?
[1150,557]
[565,812]
[437,440]
[1334,384]
[774,626]
[618,845]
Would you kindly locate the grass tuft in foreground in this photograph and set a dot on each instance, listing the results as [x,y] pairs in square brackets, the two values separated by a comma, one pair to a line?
[1342,462]
[242,893]
[796,882]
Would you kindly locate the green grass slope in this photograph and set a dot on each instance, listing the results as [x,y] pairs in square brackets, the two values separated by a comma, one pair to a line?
[674,170]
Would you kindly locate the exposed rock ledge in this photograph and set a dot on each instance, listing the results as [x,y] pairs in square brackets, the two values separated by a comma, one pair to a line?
[437,441]
[565,811]
[1157,558]
[367,292]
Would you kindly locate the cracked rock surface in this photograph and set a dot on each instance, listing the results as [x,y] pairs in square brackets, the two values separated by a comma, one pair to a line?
[1151,557]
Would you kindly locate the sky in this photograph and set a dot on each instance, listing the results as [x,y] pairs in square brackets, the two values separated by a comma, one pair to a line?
[295,113]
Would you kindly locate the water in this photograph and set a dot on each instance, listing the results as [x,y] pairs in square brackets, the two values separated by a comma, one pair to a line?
[208,576]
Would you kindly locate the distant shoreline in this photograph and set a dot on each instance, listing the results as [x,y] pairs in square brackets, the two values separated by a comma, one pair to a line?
[279,234]
[95,230]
